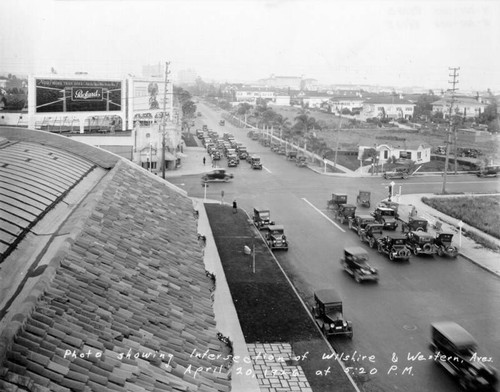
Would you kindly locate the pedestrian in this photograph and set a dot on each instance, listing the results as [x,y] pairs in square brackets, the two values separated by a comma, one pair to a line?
[204,160]
[235,207]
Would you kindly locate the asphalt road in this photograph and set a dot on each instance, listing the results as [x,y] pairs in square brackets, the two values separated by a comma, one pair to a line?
[391,319]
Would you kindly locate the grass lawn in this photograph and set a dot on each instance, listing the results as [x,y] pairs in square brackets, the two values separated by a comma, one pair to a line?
[267,307]
[481,212]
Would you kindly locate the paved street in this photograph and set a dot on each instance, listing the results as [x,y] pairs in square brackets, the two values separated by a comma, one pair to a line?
[391,319]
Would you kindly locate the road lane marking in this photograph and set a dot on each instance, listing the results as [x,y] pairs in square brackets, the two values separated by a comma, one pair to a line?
[266,169]
[323,214]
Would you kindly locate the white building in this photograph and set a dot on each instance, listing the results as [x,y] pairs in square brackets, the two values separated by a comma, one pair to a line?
[252,95]
[417,153]
[388,107]
[462,106]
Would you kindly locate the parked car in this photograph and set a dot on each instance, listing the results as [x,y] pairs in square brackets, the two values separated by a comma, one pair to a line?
[262,218]
[413,224]
[355,263]
[275,237]
[359,223]
[217,175]
[488,171]
[255,162]
[328,313]
[372,233]
[363,199]
[386,216]
[397,173]
[291,155]
[301,161]
[394,246]
[444,247]
[455,350]
[345,212]
[420,242]
[216,155]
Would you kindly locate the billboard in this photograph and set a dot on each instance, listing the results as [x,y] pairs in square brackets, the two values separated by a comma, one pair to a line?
[73,95]
[149,95]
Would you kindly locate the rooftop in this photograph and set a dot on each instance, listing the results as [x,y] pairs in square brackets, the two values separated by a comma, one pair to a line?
[106,288]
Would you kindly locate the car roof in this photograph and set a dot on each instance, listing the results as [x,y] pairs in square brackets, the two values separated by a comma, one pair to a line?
[385,208]
[454,333]
[276,227]
[355,250]
[365,217]
[396,236]
[348,205]
[422,233]
[261,209]
[328,295]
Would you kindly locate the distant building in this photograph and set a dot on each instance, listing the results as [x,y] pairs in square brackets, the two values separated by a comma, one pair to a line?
[281,100]
[187,77]
[150,71]
[251,95]
[462,106]
[388,107]
[315,100]
[291,82]
[339,103]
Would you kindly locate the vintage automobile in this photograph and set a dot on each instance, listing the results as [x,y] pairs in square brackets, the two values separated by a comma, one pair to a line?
[355,263]
[359,223]
[301,161]
[363,199]
[413,224]
[420,243]
[216,155]
[242,153]
[255,162]
[217,175]
[372,233]
[232,160]
[328,314]
[336,201]
[386,216]
[275,237]
[282,150]
[291,155]
[261,218]
[345,212]
[222,123]
[456,351]
[488,171]
[397,173]
[394,246]
[444,247]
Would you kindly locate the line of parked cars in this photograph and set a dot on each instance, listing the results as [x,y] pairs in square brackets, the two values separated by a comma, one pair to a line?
[278,148]
[373,228]
[274,234]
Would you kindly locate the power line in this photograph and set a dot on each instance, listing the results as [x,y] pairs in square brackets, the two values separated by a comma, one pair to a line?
[453,82]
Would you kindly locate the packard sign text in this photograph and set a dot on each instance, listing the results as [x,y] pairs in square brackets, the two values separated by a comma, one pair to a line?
[86,94]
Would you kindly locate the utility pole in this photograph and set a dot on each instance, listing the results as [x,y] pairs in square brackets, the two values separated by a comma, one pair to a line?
[164,120]
[453,82]
[337,139]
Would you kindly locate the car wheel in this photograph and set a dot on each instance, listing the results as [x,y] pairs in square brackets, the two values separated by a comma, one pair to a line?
[391,256]
[323,329]
[371,242]
[350,224]
[356,278]
[359,231]
[379,248]
[350,335]
[440,251]
[342,220]
[415,251]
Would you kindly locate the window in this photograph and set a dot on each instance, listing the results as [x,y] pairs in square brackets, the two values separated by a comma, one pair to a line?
[386,154]
[405,154]
[419,155]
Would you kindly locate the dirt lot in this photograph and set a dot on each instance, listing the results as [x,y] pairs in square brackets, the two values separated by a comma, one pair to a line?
[366,135]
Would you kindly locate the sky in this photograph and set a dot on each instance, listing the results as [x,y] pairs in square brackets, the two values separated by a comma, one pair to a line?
[378,42]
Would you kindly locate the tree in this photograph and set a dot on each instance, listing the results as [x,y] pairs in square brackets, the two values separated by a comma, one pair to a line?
[188,109]
[243,109]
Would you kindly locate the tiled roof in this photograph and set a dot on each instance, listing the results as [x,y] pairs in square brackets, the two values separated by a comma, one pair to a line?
[124,306]
[387,100]
[33,178]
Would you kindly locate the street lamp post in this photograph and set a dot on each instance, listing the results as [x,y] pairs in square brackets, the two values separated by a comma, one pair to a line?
[391,190]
